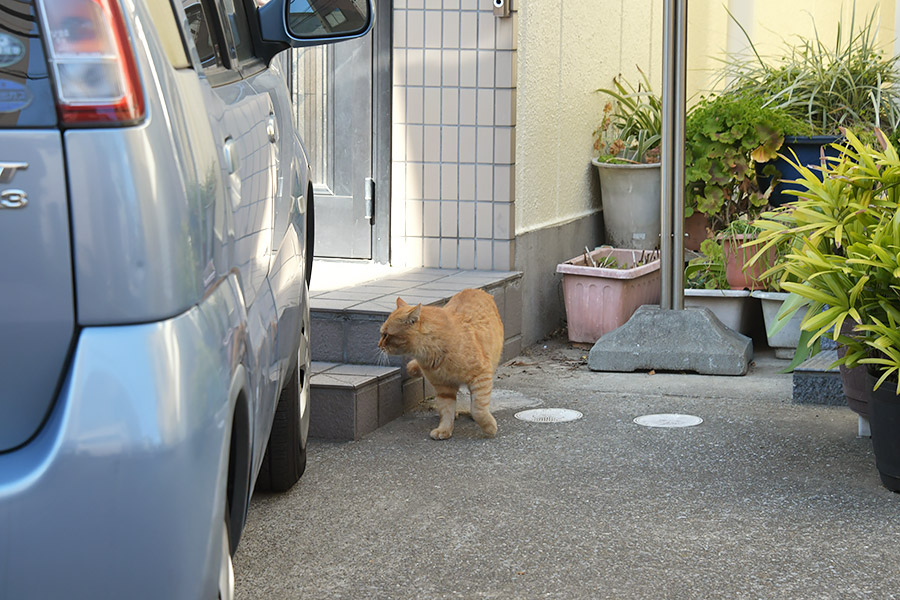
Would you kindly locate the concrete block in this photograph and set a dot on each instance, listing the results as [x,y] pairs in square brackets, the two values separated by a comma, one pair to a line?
[512,326]
[390,398]
[816,383]
[512,347]
[327,339]
[332,414]
[692,339]
[818,388]
[413,393]
[366,410]
[499,295]
[361,345]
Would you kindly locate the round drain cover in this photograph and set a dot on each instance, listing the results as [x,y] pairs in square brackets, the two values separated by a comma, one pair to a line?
[549,415]
[668,420]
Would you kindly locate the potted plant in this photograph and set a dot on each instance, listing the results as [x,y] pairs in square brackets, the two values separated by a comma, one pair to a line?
[706,285]
[844,235]
[602,289]
[849,84]
[626,148]
[725,137]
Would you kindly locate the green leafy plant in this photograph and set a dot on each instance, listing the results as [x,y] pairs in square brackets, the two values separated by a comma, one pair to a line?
[610,262]
[848,84]
[726,137]
[707,272]
[844,257]
[631,128]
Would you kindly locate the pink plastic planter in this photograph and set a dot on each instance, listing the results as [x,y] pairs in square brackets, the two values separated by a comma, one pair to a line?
[599,300]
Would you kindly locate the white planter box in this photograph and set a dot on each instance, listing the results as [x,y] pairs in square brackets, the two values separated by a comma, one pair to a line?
[785,341]
[733,307]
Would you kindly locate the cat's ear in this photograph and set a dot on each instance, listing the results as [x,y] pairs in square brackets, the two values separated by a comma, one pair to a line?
[400,302]
[414,314]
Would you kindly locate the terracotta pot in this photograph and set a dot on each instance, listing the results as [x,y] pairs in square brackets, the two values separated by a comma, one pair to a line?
[736,257]
[598,299]
[695,230]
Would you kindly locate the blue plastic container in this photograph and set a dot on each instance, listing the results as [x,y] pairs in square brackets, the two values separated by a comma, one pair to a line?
[809,152]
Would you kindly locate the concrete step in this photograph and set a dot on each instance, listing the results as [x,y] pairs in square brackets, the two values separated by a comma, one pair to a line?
[816,383]
[346,321]
[356,388]
[349,401]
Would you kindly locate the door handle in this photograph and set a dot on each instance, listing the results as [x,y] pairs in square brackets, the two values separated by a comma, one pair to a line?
[271,130]
[231,156]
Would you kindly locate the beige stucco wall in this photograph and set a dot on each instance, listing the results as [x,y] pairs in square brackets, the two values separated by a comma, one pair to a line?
[566,51]
[771,24]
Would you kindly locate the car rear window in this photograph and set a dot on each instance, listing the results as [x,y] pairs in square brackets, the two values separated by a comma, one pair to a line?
[26,95]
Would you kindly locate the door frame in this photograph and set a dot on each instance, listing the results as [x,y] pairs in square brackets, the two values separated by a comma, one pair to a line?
[382,103]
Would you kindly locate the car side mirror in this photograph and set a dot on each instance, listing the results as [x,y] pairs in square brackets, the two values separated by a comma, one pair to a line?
[299,23]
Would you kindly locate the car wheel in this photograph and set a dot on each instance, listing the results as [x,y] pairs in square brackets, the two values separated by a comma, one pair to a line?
[226,566]
[285,458]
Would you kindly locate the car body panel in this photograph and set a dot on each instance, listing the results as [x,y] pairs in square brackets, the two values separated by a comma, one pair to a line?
[117,496]
[162,266]
[37,318]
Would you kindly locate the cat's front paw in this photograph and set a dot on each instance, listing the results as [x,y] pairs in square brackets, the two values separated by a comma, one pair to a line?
[441,434]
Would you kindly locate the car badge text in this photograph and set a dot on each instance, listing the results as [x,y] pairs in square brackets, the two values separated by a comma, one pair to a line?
[12,198]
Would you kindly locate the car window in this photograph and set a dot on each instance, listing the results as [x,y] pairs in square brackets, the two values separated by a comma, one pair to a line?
[26,95]
[240,30]
[206,36]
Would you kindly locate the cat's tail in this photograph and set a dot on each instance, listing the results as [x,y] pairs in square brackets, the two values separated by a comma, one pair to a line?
[413,368]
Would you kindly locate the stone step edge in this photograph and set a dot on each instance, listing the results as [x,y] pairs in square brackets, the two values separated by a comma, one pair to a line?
[349,401]
[814,382]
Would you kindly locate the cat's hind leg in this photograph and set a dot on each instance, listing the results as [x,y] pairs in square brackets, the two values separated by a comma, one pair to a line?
[481,388]
[445,403]
[413,369]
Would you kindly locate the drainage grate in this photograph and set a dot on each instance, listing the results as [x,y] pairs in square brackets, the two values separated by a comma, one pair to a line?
[668,420]
[549,415]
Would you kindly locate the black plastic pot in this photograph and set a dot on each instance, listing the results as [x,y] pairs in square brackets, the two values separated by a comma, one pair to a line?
[853,382]
[809,152]
[884,421]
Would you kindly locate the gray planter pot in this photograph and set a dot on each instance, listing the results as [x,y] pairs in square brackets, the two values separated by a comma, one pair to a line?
[732,307]
[631,204]
[784,341]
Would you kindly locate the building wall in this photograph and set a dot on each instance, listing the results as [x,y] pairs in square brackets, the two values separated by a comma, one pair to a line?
[566,51]
[454,135]
[771,24]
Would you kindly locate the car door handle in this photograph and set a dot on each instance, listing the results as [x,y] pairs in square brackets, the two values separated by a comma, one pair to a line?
[271,129]
[231,156]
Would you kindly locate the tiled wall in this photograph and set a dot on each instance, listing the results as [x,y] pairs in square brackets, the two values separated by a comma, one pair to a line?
[453,139]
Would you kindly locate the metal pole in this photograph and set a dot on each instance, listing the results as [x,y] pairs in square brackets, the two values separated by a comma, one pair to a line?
[678,118]
[666,154]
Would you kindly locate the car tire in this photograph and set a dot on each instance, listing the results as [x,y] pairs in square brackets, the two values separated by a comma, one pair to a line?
[285,458]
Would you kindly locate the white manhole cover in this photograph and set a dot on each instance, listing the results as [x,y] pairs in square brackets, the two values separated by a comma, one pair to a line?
[549,415]
[668,420]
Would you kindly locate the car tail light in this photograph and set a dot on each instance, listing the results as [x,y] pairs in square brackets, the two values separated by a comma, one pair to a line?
[92,62]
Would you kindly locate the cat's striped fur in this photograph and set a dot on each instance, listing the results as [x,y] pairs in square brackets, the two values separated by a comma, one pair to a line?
[453,345]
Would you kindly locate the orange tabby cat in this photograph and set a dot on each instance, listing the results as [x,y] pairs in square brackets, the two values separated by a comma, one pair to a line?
[457,344]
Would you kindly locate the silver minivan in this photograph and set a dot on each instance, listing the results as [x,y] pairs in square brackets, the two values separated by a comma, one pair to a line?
[155,253]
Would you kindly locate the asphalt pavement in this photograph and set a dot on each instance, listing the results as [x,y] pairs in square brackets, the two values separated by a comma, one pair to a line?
[764,499]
